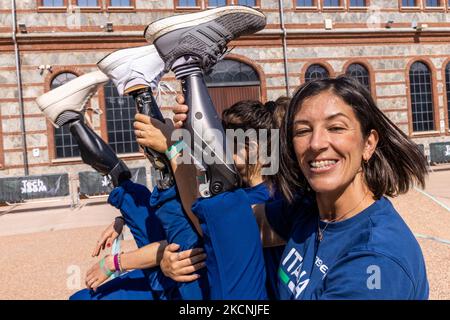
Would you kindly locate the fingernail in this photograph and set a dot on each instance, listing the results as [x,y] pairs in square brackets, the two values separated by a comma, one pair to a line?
[109,245]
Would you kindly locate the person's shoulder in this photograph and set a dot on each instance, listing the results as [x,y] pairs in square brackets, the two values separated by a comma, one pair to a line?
[391,238]
[367,274]
[389,233]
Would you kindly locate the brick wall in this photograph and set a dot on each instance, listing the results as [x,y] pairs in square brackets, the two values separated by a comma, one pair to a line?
[387,54]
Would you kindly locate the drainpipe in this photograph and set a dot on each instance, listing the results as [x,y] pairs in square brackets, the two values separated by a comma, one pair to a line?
[284,38]
[19,87]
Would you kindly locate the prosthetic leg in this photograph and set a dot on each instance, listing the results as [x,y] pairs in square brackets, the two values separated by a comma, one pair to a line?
[96,153]
[66,105]
[208,135]
[191,43]
[134,72]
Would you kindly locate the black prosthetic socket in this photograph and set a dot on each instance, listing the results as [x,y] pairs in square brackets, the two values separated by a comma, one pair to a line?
[146,104]
[97,153]
[202,117]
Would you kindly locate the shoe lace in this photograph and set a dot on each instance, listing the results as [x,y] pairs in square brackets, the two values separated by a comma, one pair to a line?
[162,88]
[218,52]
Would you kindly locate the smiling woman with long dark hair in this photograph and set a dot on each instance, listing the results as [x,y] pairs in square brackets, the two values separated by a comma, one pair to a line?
[340,157]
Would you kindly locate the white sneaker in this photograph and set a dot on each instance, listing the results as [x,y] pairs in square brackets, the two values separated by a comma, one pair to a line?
[71,96]
[133,68]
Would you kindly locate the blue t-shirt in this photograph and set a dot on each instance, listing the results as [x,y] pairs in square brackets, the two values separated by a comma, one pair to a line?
[372,255]
[260,194]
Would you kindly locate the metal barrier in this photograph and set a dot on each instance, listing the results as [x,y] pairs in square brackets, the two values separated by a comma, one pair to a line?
[421,148]
[94,184]
[440,152]
[19,189]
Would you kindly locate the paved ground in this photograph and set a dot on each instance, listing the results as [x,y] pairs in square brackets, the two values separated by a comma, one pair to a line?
[46,253]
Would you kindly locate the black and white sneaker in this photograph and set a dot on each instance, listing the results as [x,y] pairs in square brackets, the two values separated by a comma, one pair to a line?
[202,35]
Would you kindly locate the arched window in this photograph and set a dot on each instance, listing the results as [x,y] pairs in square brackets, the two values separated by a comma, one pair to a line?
[65,145]
[360,73]
[231,81]
[447,81]
[315,71]
[421,97]
[120,113]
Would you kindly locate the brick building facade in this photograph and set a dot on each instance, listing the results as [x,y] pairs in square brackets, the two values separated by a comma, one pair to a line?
[399,48]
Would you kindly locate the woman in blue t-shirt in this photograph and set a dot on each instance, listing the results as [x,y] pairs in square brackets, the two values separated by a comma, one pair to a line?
[345,156]
[339,157]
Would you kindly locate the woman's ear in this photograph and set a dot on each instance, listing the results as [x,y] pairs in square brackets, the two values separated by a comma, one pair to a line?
[370,145]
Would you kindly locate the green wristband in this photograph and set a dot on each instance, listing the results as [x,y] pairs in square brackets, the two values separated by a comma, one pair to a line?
[175,149]
[105,270]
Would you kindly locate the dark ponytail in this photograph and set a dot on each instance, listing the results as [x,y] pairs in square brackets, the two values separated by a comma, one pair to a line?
[250,114]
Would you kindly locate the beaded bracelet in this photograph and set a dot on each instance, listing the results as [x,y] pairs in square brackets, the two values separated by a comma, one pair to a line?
[175,149]
[119,262]
[105,270]
[116,262]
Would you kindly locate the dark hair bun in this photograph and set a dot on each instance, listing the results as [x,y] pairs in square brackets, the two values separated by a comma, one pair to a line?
[271,106]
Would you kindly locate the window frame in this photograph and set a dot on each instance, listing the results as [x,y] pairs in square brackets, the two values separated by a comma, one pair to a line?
[206,2]
[446,97]
[364,8]
[2,153]
[434,98]
[315,6]
[403,8]
[341,7]
[257,3]
[440,7]
[131,8]
[370,71]
[318,6]
[421,6]
[104,128]
[97,8]
[42,8]
[53,159]
[177,7]
[323,64]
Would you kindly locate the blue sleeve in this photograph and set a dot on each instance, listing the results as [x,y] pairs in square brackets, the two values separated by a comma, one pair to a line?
[177,226]
[277,214]
[178,229]
[133,201]
[233,246]
[368,276]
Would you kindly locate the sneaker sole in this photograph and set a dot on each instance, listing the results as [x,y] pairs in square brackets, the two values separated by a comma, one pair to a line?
[165,25]
[119,57]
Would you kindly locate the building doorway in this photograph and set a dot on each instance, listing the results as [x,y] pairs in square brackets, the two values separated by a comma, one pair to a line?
[232,81]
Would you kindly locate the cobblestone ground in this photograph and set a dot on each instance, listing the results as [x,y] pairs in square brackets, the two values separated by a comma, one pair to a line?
[52,264]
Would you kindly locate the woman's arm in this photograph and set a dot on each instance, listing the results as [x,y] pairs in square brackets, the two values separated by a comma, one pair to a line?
[269,237]
[142,258]
[146,257]
[157,135]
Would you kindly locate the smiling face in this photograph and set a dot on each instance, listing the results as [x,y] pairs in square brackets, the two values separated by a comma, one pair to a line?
[328,143]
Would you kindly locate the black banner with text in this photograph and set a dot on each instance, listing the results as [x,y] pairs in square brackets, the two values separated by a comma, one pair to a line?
[92,183]
[17,189]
